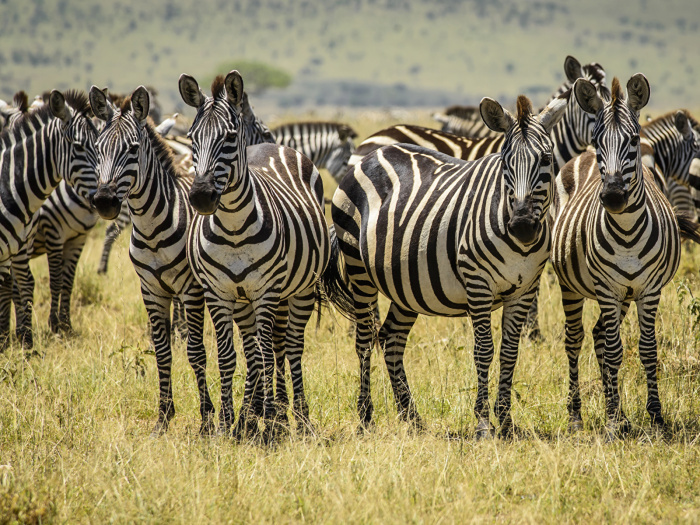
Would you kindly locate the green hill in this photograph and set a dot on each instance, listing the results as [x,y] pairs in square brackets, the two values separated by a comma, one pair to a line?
[345,52]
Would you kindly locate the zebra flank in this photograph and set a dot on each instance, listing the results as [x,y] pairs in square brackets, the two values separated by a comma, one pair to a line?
[258,248]
[135,164]
[329,145]
[615,240]
[442,236]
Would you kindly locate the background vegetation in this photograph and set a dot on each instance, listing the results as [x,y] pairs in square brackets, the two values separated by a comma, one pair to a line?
[351,52]
[75,423]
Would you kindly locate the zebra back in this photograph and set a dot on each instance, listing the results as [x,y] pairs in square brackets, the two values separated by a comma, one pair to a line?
[464,121]
[328,144]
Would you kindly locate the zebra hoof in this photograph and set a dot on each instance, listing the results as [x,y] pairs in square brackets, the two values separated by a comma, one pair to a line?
[208,427]
[657,421]
[485,431]
[26,338]
[575,425]
[535,335]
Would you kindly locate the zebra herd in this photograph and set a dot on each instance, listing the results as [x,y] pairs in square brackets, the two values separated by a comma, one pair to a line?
[232,219]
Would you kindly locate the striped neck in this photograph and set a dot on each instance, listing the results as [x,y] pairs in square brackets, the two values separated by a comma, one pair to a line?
[628,220]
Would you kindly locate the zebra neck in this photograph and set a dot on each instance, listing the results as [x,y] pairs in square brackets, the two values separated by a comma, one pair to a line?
[240,207]
[566,137]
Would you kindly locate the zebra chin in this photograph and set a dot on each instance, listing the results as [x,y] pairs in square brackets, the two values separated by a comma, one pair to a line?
[106,203]
[525,229]
[203,195]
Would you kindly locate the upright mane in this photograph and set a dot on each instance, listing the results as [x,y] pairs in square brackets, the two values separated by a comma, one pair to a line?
[218,90]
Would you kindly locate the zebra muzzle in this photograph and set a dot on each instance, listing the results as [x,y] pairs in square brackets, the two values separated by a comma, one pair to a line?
[204,197]
[106,203]
[524,225]
[613,194]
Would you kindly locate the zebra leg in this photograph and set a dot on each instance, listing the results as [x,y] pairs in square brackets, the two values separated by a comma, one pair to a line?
[179,319]
[573,310]
[6,285]
[25,300]
[158,308]
[279,335]
[265,313]
[222,317]
[532,321]
[513,317]
[55,259]
[646,312]
[392,339]
[111,234]
[611,313]
[301,307]
[72,251]
[252,406]
[483,356]
[193,306]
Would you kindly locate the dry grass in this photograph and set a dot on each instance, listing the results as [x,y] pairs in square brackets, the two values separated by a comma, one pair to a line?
[75,422]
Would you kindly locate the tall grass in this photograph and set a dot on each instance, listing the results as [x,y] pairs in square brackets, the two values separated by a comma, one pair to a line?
[75,423]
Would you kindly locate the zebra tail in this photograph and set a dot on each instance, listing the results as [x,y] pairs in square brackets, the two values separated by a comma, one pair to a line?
[689,228]
[333,283]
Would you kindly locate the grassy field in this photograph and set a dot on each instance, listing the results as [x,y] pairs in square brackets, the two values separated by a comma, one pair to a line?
[75,424]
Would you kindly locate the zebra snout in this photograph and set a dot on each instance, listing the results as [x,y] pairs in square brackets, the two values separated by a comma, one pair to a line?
[91,198]
[106,203]
[525,228]
[204,197]
[614,194]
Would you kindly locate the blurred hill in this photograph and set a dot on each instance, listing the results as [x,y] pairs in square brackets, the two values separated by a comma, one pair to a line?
[352,52]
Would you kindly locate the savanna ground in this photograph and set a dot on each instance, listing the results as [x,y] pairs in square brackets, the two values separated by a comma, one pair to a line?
[75,423]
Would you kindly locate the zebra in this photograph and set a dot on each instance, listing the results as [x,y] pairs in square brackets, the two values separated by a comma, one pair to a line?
[616,240]
[441,236]
[257,133]
[135,164]
[328,144]
[42,147]
[10,114]
[258,246]
[571,136]
[464,121]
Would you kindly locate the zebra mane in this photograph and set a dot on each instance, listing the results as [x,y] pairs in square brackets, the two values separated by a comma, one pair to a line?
[524,111]
[76,99]
[616,94]
[218,90]
[21,101]
[163,152]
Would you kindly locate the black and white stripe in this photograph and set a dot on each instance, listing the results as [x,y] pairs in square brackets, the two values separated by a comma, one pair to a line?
[43,147]
[615,240]
[135,164]
[329,145]
[258,248]
[442,236]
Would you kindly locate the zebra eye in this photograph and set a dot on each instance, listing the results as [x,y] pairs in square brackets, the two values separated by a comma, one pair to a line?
[134,149]
[546,159]
[78,147]
[635,141]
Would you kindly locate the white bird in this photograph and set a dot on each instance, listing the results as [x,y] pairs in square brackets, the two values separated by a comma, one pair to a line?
[164,127]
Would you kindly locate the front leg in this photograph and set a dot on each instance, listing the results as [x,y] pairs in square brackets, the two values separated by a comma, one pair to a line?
[72,251]
[646,312]
[158,309]
[23,297]
[265,313]
[514,314]
[483,356]
[573,311]
[610,312]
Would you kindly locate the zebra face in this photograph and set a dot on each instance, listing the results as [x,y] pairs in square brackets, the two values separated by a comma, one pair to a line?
[526,157]
[337,163]
[78,159]
[118,148]
[218,141]
[616,138]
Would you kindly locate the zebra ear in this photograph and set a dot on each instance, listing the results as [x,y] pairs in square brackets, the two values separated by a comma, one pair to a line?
[234,87]
[140,103]
[494,116]
[553,113]
[57,105]
[190,92]
[572,69]
[587,96]
[638,92]
[680,120]
[346,132]
[100,104]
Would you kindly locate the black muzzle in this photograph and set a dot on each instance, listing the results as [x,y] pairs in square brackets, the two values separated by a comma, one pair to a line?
[204,197]
[106,203]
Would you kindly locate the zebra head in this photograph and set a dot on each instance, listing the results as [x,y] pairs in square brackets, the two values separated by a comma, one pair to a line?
[342,150]
[616,137]
[77,158]
[218,142]
[526,157]
[118,147]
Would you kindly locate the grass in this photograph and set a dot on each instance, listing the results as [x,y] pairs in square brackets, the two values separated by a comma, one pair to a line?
[75,423]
